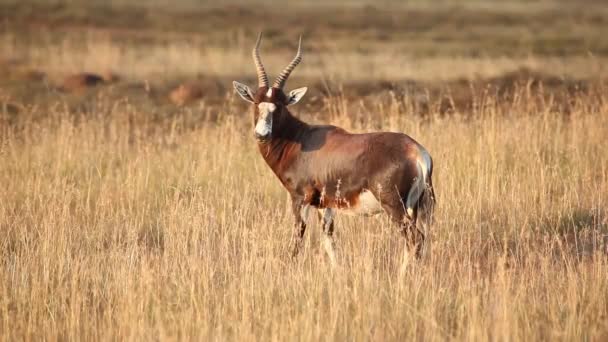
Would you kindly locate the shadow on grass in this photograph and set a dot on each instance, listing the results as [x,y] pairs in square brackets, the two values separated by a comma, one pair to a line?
[582,232]
[562,240]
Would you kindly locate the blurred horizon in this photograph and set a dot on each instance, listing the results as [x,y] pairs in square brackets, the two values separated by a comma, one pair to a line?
[360,48]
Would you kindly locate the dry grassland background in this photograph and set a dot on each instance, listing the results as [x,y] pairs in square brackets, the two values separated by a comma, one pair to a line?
[134,204]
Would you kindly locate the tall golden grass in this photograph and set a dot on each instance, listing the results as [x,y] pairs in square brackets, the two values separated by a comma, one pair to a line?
[118,227]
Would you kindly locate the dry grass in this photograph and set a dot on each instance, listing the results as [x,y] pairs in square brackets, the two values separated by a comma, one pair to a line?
[124,217]
[182,58]
[118,227]
[361,40]
[185,93]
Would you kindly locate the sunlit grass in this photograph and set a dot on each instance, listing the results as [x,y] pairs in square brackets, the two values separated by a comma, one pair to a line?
[119,227]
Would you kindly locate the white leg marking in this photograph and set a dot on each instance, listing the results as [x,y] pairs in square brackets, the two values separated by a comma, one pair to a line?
[405,262]
[327,241]
[328,245]
[328,217]
[304,212]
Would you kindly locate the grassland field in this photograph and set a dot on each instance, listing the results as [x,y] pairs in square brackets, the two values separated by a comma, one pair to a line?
[128,215]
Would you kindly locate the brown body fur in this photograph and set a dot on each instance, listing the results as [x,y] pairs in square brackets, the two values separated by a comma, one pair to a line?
[325,166]
[328,168]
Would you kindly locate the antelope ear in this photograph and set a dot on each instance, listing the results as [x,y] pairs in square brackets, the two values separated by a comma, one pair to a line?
[296,95]
[243,90]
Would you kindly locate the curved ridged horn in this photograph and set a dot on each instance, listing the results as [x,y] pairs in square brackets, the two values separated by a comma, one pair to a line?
[262,77]
[280,82]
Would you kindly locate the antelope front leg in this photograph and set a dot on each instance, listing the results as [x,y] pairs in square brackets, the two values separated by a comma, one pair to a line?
[327,239]
[300,212]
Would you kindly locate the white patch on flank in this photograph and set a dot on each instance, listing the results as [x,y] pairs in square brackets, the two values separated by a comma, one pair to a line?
[423,163]
[367,204]
[269,92]
[264,125]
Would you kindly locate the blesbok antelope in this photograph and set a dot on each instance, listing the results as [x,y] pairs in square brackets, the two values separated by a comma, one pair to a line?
[330,169]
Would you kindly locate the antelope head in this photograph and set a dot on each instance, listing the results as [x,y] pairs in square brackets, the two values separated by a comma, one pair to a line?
[270,103]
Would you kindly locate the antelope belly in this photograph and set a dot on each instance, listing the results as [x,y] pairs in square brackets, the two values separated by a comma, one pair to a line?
[366,204]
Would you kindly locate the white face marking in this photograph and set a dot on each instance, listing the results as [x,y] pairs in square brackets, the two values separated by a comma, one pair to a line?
[269,92]
[264,125]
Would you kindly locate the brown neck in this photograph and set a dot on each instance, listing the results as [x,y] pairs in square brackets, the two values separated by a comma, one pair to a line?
[285,144]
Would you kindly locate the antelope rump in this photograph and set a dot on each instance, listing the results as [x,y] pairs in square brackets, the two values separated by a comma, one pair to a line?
[327,168]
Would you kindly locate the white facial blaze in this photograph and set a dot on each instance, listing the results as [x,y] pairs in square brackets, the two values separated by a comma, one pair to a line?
[264,125]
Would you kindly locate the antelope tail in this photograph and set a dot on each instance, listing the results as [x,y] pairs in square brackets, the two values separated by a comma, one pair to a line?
[421,197]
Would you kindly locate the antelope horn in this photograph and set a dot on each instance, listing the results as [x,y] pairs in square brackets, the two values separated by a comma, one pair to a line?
[280,82]
[262,77]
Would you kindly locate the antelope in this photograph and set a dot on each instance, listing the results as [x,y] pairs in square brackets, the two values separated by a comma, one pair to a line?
[327,168]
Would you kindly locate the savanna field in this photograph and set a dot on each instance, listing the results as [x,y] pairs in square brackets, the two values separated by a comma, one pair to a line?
[134,204]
